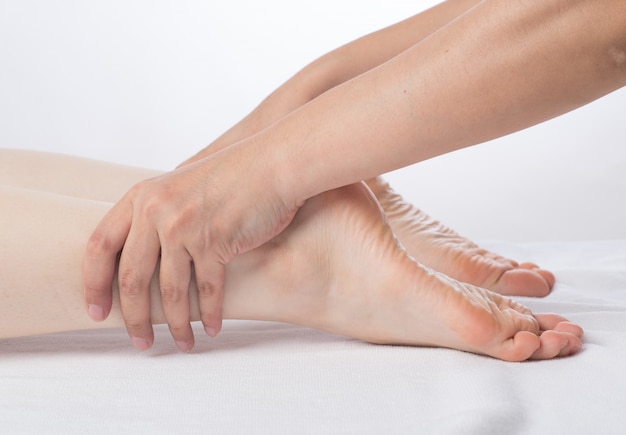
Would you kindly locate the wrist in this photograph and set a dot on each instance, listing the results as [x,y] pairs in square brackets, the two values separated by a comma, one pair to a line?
[269,166]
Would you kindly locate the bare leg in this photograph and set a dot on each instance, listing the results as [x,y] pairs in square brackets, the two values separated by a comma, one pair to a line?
[426,239]
[69,175]
[437,246]
[376,293]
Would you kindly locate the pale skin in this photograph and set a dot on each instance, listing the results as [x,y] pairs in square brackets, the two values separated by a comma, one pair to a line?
[376,293]
[459,74]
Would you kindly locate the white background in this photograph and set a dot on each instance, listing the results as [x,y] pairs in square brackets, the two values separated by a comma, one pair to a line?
[149,83]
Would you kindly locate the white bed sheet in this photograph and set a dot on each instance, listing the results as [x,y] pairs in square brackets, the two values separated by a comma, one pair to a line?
[275,378]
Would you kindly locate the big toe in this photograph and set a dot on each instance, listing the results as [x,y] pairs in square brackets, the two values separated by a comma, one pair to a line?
[525,281]
[546,274]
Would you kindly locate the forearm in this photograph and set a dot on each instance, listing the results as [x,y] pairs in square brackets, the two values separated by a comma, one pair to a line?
[499,68]
[341,65]
[372,50]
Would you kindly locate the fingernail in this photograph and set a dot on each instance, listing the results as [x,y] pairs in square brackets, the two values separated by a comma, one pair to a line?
[211,332]
[96,312]
[183,346]
[140,343]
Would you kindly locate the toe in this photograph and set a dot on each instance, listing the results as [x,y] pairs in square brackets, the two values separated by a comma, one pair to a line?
[570,328]
[560,337]
[549,321]
[545,274]
[548,276]
[522,282]
[553,344]
[522,346]
[557,344]
[528,265]
[574,344]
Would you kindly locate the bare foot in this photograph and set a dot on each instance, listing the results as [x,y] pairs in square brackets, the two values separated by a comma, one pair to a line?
[341,269]
[433,244]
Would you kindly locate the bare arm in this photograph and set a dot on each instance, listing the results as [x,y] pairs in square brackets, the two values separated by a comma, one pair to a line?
[500,67]
[339,66]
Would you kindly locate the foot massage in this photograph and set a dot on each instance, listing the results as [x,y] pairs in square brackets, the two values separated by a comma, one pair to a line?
[291,218]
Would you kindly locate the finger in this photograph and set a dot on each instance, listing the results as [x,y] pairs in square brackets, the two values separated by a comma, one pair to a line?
[137,265]
[174,277]
[100,260]
[210,283]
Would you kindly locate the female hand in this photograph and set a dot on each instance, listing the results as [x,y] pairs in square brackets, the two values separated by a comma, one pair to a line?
[203,214]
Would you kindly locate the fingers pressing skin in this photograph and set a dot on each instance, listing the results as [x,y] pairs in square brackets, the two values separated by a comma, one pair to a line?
[167,217]
[100,260]
[124,231]
[204,213]
[210,282]
[175,276]
[137,265]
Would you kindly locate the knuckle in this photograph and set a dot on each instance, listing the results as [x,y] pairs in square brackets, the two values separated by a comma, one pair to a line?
[207,235]
[147,197]
[138,188]
[93,293]
[130,284]
[152,206]
[170,229]
[98,244]
[207,290]
[135,327]
[170,295]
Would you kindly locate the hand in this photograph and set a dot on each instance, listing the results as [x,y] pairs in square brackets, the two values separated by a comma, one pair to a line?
[203,214]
